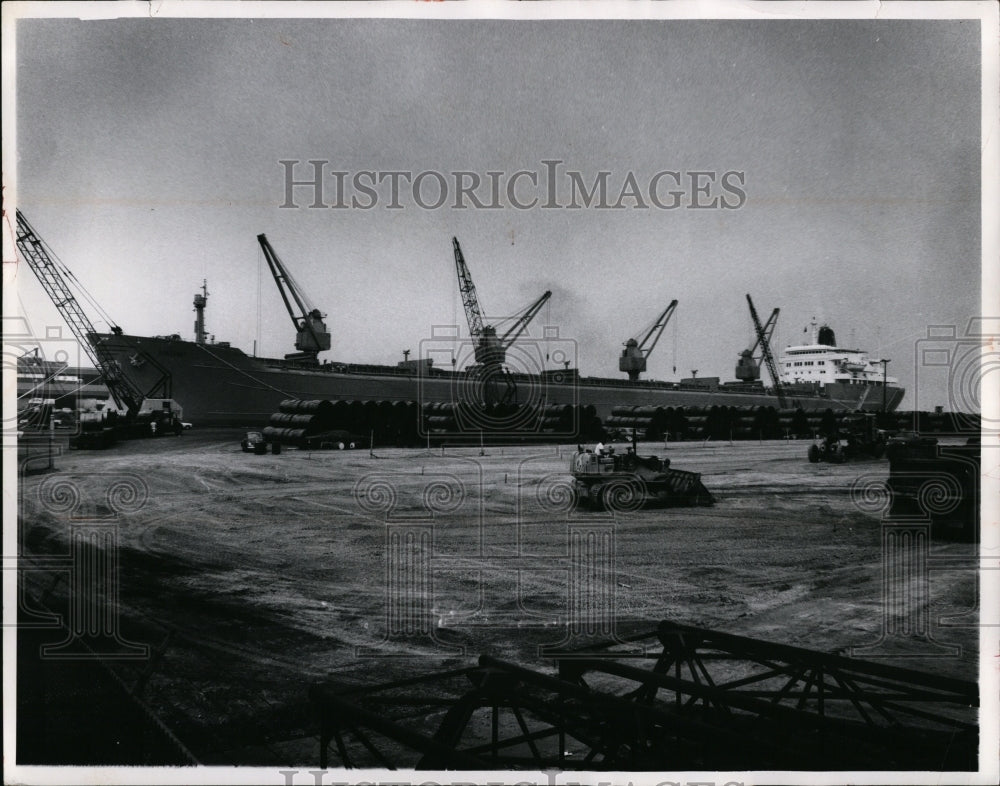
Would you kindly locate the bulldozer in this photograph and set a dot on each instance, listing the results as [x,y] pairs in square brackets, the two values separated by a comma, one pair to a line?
[936,482]
[857,437]
[624,482]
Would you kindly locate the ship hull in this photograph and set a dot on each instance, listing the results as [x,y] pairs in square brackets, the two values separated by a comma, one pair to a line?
[221,385]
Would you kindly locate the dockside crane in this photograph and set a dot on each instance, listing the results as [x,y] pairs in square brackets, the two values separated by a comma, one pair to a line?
[490,348]
[633,357]
[311,337]
[748,369]
[54,278]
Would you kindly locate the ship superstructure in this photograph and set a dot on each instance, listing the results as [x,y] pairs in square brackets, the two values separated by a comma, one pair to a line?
[822,363]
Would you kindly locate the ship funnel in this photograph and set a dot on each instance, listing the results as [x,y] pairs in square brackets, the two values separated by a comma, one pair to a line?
[826,336]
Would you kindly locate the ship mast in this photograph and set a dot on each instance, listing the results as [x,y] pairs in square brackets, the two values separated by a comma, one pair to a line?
[200,300]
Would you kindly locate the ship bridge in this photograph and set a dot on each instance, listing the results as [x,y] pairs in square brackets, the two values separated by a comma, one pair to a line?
[824,364]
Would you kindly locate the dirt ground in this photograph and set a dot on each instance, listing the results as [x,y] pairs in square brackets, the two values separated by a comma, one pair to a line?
[253,577]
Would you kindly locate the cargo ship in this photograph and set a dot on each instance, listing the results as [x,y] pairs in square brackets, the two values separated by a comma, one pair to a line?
[220,384]
[495,382]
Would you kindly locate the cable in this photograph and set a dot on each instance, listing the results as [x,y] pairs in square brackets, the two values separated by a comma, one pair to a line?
[260,275]
[301,292]
[515,316]
[82,290]
[675,346]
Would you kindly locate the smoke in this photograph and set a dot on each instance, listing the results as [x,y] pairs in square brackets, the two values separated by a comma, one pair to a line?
[592,330]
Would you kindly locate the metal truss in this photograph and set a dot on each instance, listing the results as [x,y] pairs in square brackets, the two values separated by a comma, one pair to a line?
[677,698]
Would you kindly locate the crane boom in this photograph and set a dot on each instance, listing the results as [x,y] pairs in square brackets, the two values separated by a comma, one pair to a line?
[312,336]
[125,394]
[657,329]
[763,339]
[769,326]
[281,279]
[470,300]
[522,322]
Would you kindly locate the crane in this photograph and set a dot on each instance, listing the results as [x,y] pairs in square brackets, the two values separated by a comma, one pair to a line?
[490,348]
[53,277]
[748,368]
[764,342]
[312,337]
[633,357]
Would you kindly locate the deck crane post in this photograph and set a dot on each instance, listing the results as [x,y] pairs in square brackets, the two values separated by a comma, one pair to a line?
[764,333]
[123,391]
[312,337]
[490,349]
[633,357]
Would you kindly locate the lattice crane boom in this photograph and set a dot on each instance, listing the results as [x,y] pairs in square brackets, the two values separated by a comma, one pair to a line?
[470,300]
[763,339]
[51,276]
[769,326]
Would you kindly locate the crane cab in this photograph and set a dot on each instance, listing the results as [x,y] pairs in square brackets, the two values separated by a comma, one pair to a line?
[312,335]
[747,369]
[490,350]
[632,361]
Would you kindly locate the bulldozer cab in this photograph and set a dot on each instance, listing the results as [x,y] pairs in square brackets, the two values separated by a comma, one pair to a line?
[592,464]
[603,464]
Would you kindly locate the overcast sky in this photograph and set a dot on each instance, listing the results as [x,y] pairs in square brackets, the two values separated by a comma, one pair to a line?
[149,157]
